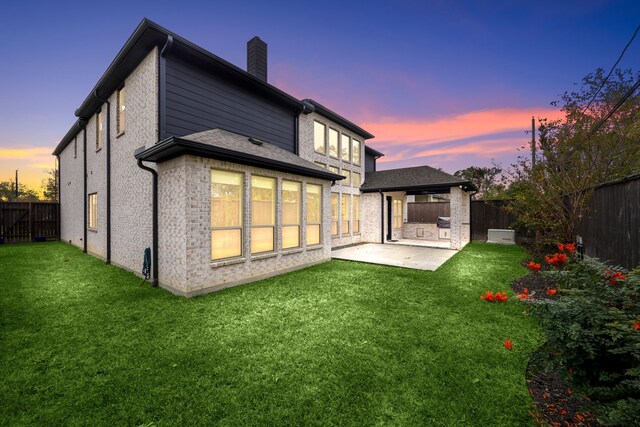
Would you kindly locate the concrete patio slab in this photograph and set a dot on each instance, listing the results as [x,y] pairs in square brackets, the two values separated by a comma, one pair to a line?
[419,258]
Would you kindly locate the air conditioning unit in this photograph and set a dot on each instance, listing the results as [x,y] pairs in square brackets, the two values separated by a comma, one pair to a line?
[503,237]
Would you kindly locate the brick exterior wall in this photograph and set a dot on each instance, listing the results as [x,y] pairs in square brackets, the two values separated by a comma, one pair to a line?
[130,186]
[306,151]
[371,220]
[185,236]
[460,217]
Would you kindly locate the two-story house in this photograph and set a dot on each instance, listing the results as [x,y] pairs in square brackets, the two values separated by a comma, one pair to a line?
[226,178]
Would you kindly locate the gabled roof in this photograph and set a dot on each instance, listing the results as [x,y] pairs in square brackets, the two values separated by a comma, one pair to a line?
[147,36]
[231,147]
[419,178]
[331,115]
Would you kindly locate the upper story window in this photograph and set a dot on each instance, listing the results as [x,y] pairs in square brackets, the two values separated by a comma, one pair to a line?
[355,151]
[226,214]
[314,214]
[322,165]
[121,110]
[333,143]
[319,138]
[291,213]
[263,214]
[347,179]
[99,122]
[345,146]
[356,179]
[334,169]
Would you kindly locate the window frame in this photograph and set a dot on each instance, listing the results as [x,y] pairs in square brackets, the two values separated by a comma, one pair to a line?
[347,180]
[313,223]
[347,197]
[397,213]
[344,136]
[274,214]
[121,116]
[356,160]
[92,214]
[337,133]
[355,201]
[335,218]
[241,220]
[353,179]
[99,126]
[286,225]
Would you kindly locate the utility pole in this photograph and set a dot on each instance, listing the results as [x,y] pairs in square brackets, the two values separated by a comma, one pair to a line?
[533,142]
[17,192]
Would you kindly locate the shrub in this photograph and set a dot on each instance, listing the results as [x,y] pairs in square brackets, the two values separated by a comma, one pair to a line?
[591,331]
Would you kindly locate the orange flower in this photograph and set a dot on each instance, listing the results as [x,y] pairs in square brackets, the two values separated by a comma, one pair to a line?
[557,259]
[533,266]
[488,296]
[636,325]
[552,292]
[561,247]
[508,344]
[570,247]
[524,294]
[615,277]
[501,296]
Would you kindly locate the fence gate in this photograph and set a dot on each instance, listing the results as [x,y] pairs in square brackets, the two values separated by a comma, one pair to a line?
[29,221]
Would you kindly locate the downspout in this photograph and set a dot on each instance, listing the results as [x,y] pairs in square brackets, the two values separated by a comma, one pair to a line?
[154,214]
[381,216]
[106,101]
[84,155]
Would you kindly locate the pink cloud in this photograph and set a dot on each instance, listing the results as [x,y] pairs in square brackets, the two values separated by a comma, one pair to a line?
[462,126]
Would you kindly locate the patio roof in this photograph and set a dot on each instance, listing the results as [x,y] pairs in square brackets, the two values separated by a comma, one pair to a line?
[414,180]
[231,147]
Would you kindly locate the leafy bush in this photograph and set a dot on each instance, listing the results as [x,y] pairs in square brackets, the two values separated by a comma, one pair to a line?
[593,331]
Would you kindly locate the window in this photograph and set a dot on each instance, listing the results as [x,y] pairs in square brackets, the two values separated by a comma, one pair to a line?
[75,147]
[345,214]
[356,214]
[226,214]
[121,110]
[333,143]
[334,213]
[314,214]
[322,165]
[355,151]
[93,211]
[291,208]
[347,179]
[334,169]
[346,148]
[356,179]
[263,214]
[397,213]
[319,138]
[99,131]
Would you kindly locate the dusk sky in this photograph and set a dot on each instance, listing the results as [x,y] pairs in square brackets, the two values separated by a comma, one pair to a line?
[445,83]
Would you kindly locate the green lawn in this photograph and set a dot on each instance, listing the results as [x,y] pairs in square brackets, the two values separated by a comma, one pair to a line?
[342,343]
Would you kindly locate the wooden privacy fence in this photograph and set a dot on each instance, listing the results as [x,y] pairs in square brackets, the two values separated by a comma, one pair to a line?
[29,221]
[490,214]
[611,228]
[427,212]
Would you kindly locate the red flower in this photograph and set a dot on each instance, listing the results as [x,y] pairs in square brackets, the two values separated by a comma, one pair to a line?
[556,260]
[636,325]
[488,296]
[614,277]
[570,247]
[508,344]
[524,294]
[499,296]
[552,292]
[533,266]
[561,247]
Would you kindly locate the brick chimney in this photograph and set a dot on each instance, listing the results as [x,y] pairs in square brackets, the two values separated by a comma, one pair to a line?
[257,58]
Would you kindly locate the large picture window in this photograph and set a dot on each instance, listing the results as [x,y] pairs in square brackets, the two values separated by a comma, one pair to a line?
[291,213]
[397,213]
[335,213]
[314,214]
[355,151]
[346,208]
[93,211]
[333,143]
[319,138]
[263,214]
[226,214]
[345,147]
[356,214]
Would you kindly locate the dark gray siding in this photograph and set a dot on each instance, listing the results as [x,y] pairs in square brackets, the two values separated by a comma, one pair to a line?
[369,162]
[197,100]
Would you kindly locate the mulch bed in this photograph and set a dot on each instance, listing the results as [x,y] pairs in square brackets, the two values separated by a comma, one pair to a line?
[555,404]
